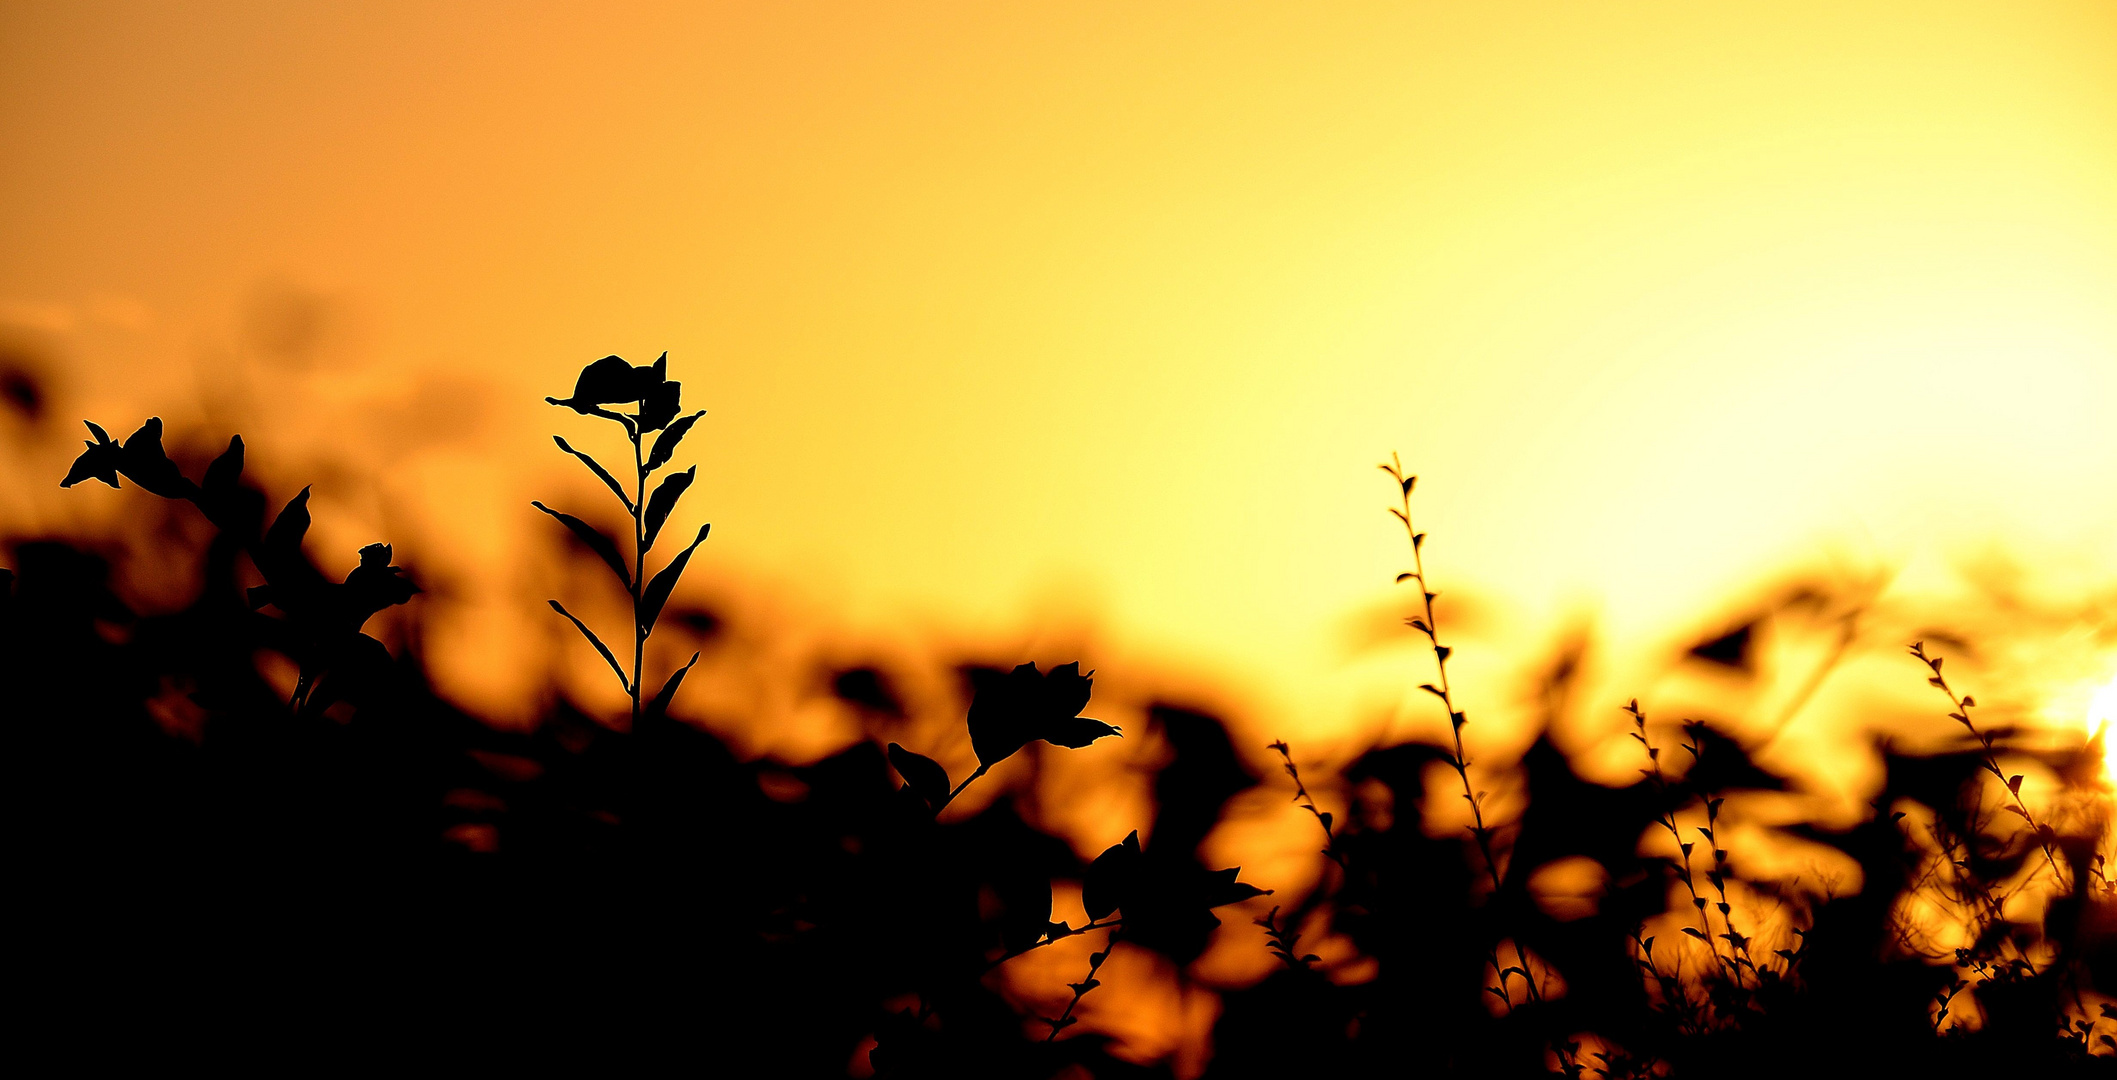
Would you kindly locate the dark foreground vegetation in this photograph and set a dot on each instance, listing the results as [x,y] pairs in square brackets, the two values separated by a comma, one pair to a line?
[206,870]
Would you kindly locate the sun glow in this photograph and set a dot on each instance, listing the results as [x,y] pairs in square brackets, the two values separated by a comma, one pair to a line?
[1734,348]
[1116,317]
[2102,713]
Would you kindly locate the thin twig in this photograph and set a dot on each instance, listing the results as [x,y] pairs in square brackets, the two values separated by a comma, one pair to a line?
[1960,712]
[1053,939]
[1739,943]
[1666,818]
[1283,939]
[982,770]
[1308,803]
[1081,988]
[1429,626]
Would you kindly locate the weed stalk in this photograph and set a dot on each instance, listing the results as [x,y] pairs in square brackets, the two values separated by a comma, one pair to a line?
[1959,711]
[1428,625]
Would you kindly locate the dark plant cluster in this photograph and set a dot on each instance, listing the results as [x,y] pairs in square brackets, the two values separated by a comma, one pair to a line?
[321,630]
[1162,903]
[214,867]
[1843,986]
[218,866]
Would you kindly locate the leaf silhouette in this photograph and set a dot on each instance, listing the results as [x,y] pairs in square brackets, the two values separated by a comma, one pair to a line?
[663,501]
[98,462]
[145,464]
[601,473]
[1221,888]
[1111,877]
[226,470]
[925,776]
[660,405]
[1066,690]
[597,542]
[659,707]
[1074,732]
[1168,905]
[600,647]
[665,443]
[222,497]
[352,669]
[658,590]
[997,725]
[279,556]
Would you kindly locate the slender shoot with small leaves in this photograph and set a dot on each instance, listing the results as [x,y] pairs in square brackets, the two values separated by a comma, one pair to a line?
[1308,803]
[1080,989]
[1283,941]
[1959,711]
[1430,626]
[1666,818]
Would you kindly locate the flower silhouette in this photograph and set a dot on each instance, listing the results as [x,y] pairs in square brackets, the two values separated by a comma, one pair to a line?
[612,381]
[1012,710]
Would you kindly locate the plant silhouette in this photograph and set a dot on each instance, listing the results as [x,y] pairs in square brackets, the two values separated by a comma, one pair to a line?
[212,865]
[447,866]
[1446,919]
[322,629]
[657,400]
[1161,903]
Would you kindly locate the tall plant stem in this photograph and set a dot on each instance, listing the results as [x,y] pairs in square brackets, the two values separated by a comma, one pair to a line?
[639,565]
[1667,820]
[1430,627]
[1989,760]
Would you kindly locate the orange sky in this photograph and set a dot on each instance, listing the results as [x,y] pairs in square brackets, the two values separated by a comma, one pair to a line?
[1103,313]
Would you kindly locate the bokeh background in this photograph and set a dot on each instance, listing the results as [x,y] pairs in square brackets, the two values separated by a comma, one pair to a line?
[1078,331]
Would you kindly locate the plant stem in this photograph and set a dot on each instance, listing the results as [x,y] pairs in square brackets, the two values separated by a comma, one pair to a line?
[1667,820]
[1081,988]
[1429,626]
[1301,795]
[1739,944]
[1055,939]
[639,564]
[1990,761]
[959,789]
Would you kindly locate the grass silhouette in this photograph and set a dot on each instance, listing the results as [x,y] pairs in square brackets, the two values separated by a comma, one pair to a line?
[356,870]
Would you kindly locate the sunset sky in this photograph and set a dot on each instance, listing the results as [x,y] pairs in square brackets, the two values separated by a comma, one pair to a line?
[1101,315]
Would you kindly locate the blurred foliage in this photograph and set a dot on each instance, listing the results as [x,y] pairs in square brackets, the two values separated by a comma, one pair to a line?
[214,867]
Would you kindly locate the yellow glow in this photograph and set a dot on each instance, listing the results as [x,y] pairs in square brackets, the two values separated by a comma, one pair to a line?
[1088,323]
[2102,716]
